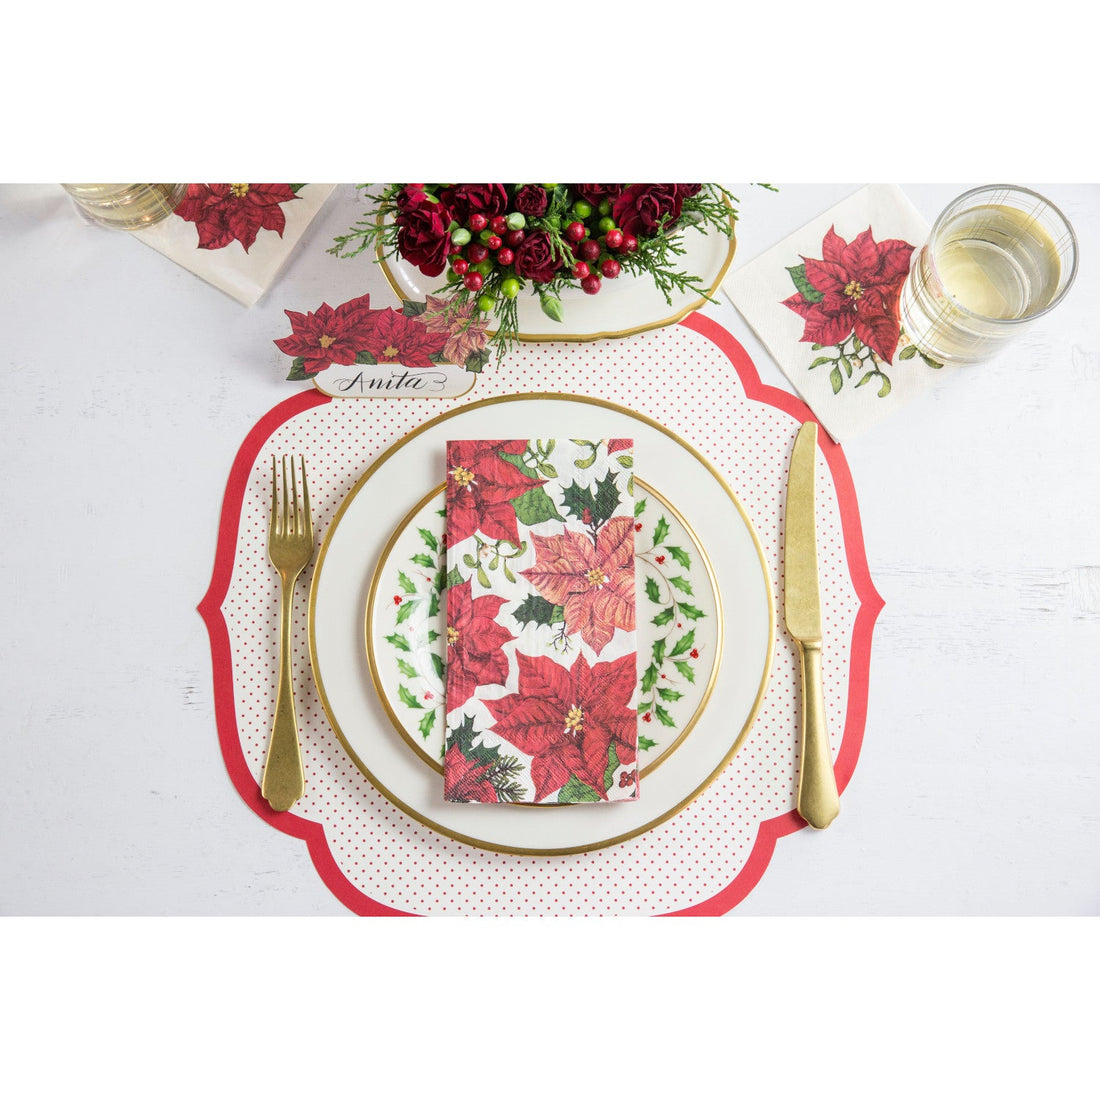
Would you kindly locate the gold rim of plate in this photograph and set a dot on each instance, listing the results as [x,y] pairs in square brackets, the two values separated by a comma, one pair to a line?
[394,717]
[415,814]
[609,334]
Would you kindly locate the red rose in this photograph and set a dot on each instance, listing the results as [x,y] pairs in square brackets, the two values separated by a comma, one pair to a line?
[535,258]
[412,194]
[422,236]
[595,193]
[489,199]
[640,208]
[531,200]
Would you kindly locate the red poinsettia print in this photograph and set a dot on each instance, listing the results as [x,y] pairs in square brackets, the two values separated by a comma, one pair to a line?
[395,338]
[467,779]
[226,212]
[592,581]
[474,644]
[329,335]
[481,486]
[568,719]
[854,287]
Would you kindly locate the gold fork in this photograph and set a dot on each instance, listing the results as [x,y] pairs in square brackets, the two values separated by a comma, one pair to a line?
[290,546]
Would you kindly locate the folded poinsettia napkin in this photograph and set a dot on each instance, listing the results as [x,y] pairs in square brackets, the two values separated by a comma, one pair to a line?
[541,643]
[237,236]
[825,304]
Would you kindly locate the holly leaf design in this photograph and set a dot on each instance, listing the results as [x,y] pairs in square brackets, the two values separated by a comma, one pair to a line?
[663,618]
[607,498]
[538,610]
[680,555]
[599,506]
[463,737]
[645,743]
[660,531]
[426,725]
[685,669]
[652,591]
[690,611]
[408,698]
[682,583]
[684,644]
[429,539]
[399,643]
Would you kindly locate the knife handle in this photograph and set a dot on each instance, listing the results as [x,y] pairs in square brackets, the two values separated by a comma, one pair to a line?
[818,801]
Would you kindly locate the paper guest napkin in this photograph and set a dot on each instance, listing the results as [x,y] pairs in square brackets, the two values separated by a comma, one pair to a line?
[825,304]
[541,643]
[237,236]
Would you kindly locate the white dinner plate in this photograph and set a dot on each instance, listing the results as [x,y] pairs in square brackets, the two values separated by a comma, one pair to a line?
[362,537]
[623,306]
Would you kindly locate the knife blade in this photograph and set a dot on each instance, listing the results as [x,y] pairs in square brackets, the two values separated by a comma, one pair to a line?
[818,801]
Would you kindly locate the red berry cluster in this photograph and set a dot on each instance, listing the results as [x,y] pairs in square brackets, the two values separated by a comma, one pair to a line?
[483,247]
[596,242]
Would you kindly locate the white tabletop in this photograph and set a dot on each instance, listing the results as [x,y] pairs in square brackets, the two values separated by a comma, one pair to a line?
[130,384]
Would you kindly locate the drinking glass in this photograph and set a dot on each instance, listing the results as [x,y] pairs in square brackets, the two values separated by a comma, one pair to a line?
[126,205]
[997,259]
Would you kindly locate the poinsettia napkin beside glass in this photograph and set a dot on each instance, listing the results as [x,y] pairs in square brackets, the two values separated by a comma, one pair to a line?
[237,236]
[541,641]
[825,304]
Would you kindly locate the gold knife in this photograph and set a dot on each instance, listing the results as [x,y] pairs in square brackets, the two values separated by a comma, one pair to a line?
[818,801]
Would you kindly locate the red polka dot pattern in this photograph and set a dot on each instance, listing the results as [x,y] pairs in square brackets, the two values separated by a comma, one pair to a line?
[392,859]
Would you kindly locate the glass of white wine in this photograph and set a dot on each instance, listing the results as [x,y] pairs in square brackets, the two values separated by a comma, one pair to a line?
[998,258]
[126,205]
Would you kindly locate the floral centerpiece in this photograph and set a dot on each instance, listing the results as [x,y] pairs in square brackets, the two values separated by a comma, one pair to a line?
[496,241]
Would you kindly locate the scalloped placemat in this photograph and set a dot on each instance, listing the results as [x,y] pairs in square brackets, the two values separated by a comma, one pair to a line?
[700,383]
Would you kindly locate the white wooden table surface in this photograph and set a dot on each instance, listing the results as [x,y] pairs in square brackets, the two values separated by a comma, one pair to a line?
[129,385]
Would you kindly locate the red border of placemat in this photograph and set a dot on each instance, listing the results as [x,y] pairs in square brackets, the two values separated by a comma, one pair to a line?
[871,603]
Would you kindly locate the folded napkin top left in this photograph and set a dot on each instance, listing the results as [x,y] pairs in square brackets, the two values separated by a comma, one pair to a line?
[541,641]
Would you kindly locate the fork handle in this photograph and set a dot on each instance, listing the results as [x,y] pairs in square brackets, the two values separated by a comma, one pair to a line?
[284,779]
[818,801]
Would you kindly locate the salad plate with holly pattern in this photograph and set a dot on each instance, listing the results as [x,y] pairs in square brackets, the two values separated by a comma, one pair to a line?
[679,622]
[377,624]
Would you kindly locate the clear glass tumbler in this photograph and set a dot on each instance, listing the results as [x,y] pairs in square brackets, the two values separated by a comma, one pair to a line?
[126,205]
[997,259]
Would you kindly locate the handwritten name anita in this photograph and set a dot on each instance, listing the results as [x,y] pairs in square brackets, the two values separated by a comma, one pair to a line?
[420,381]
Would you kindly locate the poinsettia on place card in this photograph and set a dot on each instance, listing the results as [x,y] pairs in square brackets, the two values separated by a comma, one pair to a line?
[541,639]
[825,304]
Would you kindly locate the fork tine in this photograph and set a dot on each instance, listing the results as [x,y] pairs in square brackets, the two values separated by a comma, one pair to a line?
[286,502]
[306,516]
[273,528]
[295,514]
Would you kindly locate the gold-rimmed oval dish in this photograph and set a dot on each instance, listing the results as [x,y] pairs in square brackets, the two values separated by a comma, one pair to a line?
[623,307]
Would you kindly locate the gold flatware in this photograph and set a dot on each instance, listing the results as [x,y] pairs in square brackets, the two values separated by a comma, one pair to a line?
[290,546]
[818,801]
